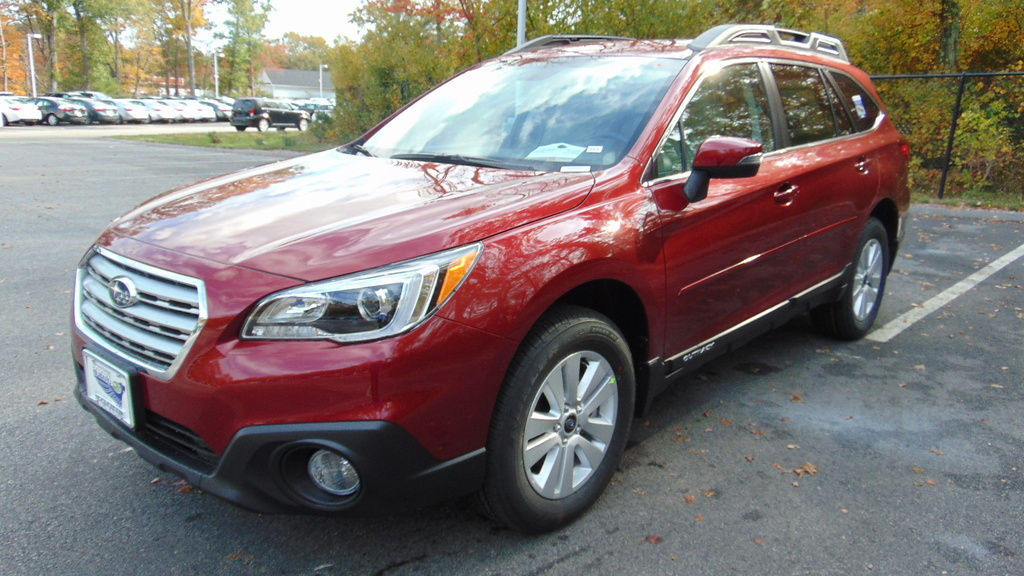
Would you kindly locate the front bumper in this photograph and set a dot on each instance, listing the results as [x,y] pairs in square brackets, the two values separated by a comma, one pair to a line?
[263,468]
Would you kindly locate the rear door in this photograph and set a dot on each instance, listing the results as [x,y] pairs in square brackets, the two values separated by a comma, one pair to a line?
[835,175]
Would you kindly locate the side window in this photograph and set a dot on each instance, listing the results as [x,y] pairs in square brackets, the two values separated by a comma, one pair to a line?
[862,108]
[808,112]
[844,125]
[731,102]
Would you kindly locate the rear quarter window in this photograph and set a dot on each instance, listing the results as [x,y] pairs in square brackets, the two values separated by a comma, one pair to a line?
[860,105]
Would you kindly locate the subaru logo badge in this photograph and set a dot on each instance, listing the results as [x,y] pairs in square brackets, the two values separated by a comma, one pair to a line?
[123,292]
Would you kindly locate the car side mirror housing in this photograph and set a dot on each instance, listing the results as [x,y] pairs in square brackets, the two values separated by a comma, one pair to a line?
[722,157]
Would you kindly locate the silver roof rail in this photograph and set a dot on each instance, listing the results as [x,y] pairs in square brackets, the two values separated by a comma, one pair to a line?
[765,34]
[562,40]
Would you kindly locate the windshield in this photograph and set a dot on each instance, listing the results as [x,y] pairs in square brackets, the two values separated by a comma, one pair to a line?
[566,114]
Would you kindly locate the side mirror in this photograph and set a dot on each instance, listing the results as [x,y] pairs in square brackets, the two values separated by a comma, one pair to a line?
[722,157]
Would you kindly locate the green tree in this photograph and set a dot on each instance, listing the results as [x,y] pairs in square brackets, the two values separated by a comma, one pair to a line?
[246,21]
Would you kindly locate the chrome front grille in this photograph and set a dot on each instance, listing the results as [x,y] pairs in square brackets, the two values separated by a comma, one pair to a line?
[159,324]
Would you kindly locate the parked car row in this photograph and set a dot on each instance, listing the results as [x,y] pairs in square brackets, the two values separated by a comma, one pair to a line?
[97,108]
[89,107]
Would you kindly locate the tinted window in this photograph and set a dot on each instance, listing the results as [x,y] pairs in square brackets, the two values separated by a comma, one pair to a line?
[732,102]
[808,112]
[861,107]
[244,104]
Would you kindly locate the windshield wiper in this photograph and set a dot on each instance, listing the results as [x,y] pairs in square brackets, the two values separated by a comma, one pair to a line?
[460,159]
[357,148]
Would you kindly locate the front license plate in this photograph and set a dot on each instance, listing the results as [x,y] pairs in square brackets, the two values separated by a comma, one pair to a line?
[109,387]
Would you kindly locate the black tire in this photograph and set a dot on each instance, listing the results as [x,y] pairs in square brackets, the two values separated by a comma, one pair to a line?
[523,488]
[3,121]
[303,125]
[240,128]
[52,119]
[853,315]
[263,125]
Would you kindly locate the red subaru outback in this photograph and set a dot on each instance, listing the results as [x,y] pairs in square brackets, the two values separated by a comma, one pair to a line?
[478,295]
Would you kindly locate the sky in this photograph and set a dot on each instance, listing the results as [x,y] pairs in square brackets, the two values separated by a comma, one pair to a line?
[325,18]
[328,19]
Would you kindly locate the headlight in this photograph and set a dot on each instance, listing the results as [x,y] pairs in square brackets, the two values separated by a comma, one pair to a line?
[366,306]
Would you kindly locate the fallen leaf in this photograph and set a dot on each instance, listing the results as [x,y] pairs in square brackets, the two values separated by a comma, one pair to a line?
[918,470]
[844,511]
[758,432]
[792,446]
[784,419]
[707,414]
[997,386]
[690,499]
[710,493]
[42,403]
[699,518]
[726,422]
[796,398]
[919,367]
[937,452]
[807,468]
[903,384]
[750,458]
[185,489]
[930,482]
[759,541]
[156,480]
[639,491]
[654,539]
[796,484]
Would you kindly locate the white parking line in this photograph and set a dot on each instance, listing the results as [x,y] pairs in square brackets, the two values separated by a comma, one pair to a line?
[908,319]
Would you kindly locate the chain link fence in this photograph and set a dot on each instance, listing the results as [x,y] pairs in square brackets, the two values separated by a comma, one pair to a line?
[966,131]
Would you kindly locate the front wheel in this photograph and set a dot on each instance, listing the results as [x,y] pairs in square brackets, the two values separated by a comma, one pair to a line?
[263,125]
[240,128]
[853,315]
[52,120]
[560,423]
[303,125]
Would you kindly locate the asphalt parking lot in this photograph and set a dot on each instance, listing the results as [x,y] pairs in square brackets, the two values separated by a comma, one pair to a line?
[902,454]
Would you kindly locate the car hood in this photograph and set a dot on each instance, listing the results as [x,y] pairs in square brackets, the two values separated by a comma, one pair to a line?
[332,213]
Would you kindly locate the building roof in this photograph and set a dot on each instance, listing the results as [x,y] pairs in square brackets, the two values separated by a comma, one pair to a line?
[305,79]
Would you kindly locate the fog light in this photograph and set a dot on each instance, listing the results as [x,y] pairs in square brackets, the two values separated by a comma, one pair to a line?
[332,473]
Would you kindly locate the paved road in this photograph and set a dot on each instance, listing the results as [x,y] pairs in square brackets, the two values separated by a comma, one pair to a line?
[909,451]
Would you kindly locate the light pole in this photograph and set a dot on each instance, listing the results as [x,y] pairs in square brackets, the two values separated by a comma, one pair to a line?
[216,76]
[32,60]
[321,69]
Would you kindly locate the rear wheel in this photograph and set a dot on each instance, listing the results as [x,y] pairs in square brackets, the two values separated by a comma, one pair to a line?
[52,119]
[240,128]
[853,315]
[263,125]
[560,423]
[303,125]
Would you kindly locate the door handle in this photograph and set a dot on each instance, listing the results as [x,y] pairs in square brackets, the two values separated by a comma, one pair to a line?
[786,194]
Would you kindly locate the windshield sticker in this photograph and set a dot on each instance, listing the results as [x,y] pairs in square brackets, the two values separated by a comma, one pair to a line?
[575,169]
[561,152]
[858,104]
[595,149]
